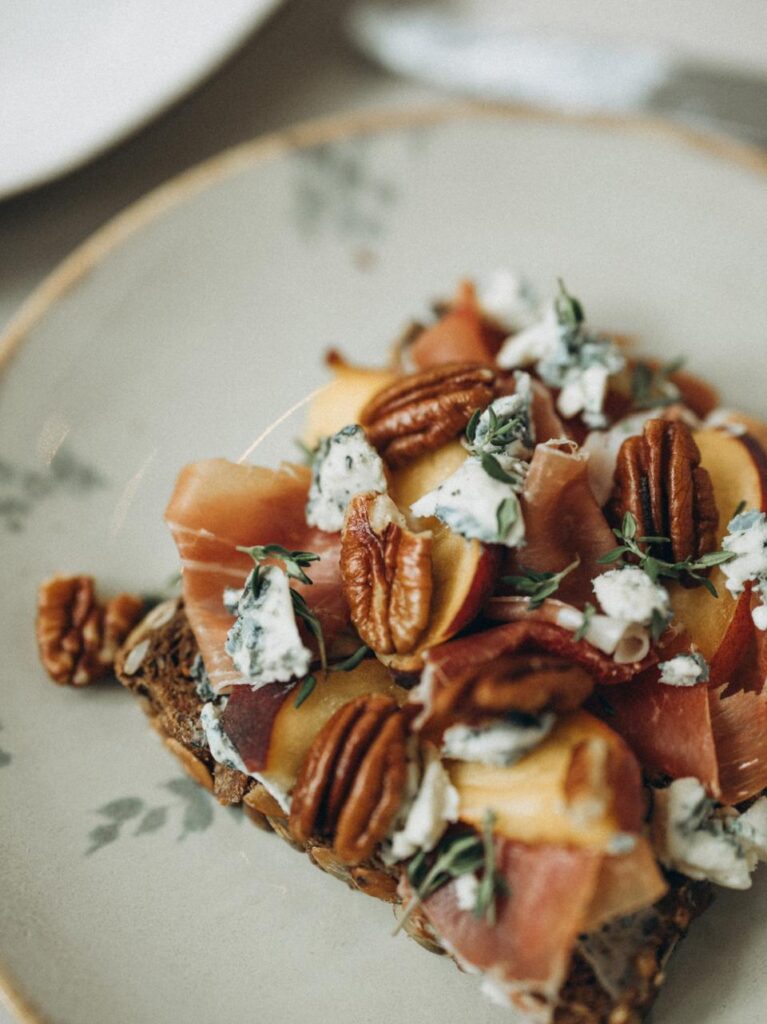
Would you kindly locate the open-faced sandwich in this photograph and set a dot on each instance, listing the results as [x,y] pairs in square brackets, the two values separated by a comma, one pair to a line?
[495,653]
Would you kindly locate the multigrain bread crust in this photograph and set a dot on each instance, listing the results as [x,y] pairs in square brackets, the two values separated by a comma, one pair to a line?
[157,664]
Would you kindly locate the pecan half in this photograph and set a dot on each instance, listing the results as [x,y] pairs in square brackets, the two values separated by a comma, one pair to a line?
[659,479]
[422,411]
[351,782]
[77,637]
[387,574]
[524,683]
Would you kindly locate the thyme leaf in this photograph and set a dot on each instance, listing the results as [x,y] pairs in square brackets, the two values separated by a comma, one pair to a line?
[456,855]
[471,426]
[506,515]
[568,309]
[537,586]
[493,468]
[305,690]
[352,661]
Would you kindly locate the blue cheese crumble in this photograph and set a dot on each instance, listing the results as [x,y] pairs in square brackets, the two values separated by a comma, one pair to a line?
[422,822]
[684,670]
[344,465]
[747,538]
[223,751]
[500,743]
[199,675]
[694,836]
[505,427]
[476,505]
[628,594]
[264,643]
[568,356]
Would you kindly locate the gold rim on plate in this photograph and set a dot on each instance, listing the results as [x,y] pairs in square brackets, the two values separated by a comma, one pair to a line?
[231,161]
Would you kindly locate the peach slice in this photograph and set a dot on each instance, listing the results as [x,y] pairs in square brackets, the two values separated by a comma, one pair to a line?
[579,787]
[721,628]
[626,883]
[464,570]
[340,402]
[272,735]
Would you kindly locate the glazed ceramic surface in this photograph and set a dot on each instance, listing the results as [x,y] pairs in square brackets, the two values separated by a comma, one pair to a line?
[76,76]
[183,331]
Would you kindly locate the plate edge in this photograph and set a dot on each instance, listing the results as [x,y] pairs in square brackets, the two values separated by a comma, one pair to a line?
[151,206]
[194,81]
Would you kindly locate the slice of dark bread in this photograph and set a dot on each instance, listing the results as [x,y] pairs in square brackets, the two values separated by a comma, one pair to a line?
[159,662]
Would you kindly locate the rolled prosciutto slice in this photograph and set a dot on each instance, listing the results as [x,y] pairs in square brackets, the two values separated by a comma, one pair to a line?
[217,506]
[716,736]
[525,955]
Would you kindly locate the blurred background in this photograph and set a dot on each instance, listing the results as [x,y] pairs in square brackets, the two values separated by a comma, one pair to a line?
[100,103]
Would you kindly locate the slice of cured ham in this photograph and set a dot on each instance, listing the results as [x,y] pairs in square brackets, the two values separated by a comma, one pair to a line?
[526,953]
[667,727]
[452,659]
[681,731]
[562,521]
[217,506]
[547,424]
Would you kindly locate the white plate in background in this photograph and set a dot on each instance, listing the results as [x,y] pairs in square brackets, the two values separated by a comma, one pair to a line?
[181,331]
[76,77]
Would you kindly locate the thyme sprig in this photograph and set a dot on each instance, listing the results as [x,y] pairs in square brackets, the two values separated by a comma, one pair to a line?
[656,567]
[345,665]
[294,563]
[456,855]
[313,624]
[492,884]
[651,386]
[537,586]
[500,432]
